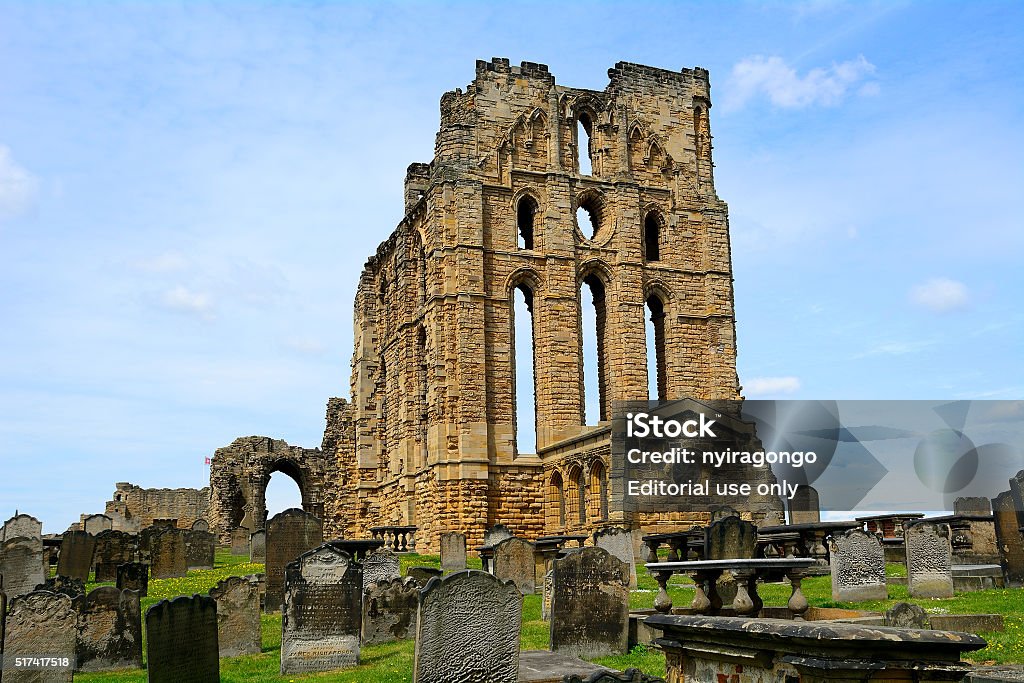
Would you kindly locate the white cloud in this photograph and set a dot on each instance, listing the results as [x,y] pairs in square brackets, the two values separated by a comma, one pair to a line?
[773,78]
[18,187]
[761,386]
[940,295]
[184,300]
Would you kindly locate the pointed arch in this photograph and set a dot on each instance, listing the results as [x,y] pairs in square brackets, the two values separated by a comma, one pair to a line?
[653,235]
[555,502]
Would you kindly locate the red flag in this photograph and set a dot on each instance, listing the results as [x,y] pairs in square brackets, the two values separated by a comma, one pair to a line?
[208,461]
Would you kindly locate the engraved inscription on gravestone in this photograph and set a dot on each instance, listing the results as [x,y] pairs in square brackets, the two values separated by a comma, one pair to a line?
[590,604]
[289,534]
[21,565]
[389,610]
[200,547]
[181,641]
[39,623]
[858,567]
[514,561]
[238,615]
[380,565]
[75,558]
[929,560]
[109,634]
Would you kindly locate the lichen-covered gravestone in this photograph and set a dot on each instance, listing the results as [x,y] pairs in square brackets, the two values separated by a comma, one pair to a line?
[320,623]
[133,576]
[238,616]
[514,561]
[97,524]
[109,634]
[22,525]
[907,615]
[200,547]
[1011,545]
[468,630]
[114,548]
[380,565]
[496,534]
[858,567]
[75,558]
[40,624]
[21,565]
[167,554]
[389,610]
[181,641]
[619,542]
[453,551]
[590,604]
[258,547]
[240,541]
[929,560]
[289,534]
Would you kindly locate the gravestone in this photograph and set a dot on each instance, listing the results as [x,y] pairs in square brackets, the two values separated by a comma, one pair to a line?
[380,565]
[166,522]
[289,534]
[722,511]
[389,610]
[258,547]
[22,525]
[730,538]
[496,534]
[453,551]
[181,641]
[590,604]
[514,561]
[320,623]
[929,560]
[75,558]
[238,616]
[200,525]
[467,630]
[167,554]
[109,634]
[1017,490]
[63,585]
[113,548]
[133,576]
[858,567]
[907,615]
[804,507]
[21,565]
[200,547]
[422,575]
[972,505]
[240,541]
[1008,537]
[619,542]
[545,601]
[40,624]
[96,524]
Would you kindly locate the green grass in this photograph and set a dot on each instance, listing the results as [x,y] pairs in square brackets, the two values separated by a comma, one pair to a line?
[392,662]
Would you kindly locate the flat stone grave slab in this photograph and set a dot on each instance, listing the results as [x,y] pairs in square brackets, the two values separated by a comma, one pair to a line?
[541,666]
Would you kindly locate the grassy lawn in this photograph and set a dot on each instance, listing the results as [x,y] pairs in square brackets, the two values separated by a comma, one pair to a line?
[392,662]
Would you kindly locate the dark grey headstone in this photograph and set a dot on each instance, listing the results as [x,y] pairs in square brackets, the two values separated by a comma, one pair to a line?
[238,616]
[389,610]
[730,538]
[39,624]
[380,565]
[289,534]
[514,561]
[75,558]
[467,630]
[240,541]
[1008,537]
[320,623]
[21,565]
[114,548]
[453,551]
[64,585]
[22,525]
[619,542]
[1017,491]
[109,634]
[906,615]
[929,560]
[422,575]
[181,641]
[200,547]
[804,506]
[972,505]
[722,511]
[258,547]
[496,534]
[133,576]
[858,567]
[590,604]
[96,524]
[168,554]
[200,525]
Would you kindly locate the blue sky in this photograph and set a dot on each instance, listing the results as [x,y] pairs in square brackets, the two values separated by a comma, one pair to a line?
[188,193]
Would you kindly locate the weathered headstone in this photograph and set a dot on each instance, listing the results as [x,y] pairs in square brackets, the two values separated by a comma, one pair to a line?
[619,542]
[133,576]
[496,534]
[972,505]
[804,506]
[167,554]
[380,565]
[22,525]
[906,615]
[75,558]
[548,590]
[1008,537]
[258,547]
[590,604]
[240,541]
[21,565]
[200,525]
[453,551]
[389,610]
[1017,491]
[929,560]
[113,548]
[467,630]
[200,547]
[422,575]
[64,585]
[181,641]
[514,561]
[858,567]
[289,534]
[730,538]
[96,524]
[166,522]
[322,612]
[109,634]
[40,624]
[722,511]
[238,616]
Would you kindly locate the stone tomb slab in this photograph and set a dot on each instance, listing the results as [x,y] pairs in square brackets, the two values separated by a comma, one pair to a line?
[114,548]
[380,565]
[389,610]
[929,560]
[75,558]
[590,604]
[181,641]
[167,552]
[467,630]
[40,624]
[542,666]
[514,561]
[109,634]
[238,616]
[21,565]
[200,547]
[320,623]
[858,567]
[453,551]
[133,576]
[289,534]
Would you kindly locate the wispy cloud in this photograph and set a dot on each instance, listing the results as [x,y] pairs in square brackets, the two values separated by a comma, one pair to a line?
[18,187]
[763,386]
[184,300]
[773,78]
[940,295]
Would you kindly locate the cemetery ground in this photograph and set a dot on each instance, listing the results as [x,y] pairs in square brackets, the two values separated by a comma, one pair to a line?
[393,662]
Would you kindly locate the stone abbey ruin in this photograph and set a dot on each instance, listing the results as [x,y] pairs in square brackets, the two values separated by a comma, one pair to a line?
[428,438]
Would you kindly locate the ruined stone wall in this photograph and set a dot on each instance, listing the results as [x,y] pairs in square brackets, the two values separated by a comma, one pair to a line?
[134,508]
